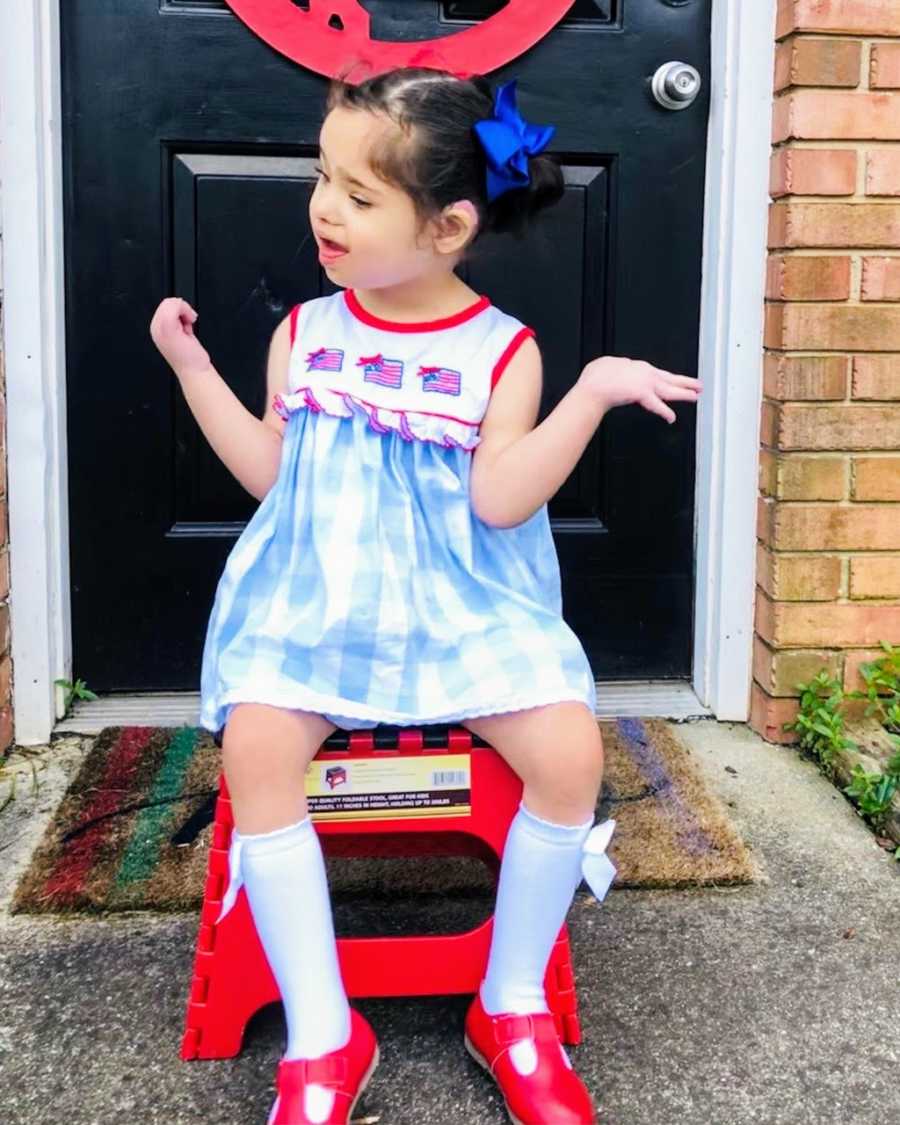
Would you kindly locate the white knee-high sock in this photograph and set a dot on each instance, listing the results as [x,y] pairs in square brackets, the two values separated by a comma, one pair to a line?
[542,865]
[284,875]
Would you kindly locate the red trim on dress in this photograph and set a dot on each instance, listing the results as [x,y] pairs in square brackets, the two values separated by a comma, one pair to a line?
[294,313]
[352,302]
[508,352]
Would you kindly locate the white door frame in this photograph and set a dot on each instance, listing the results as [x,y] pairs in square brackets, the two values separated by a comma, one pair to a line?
[730,356]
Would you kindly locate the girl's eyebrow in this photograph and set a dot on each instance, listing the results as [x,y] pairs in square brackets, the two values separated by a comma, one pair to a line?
[352,179]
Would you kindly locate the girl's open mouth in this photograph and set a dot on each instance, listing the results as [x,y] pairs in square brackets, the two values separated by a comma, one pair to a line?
[330,250]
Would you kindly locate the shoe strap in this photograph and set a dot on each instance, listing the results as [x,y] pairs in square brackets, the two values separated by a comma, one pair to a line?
[329,1070]
[539,1026]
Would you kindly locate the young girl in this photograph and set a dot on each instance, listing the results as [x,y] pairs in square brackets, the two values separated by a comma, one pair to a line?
[400,567]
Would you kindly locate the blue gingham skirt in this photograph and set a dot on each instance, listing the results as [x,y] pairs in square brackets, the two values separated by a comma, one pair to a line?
[365,589]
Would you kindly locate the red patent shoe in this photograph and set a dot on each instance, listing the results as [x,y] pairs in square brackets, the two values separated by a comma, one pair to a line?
[529,1064]
[324,1091]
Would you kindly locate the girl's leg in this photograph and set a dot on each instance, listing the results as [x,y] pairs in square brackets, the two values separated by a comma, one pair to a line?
[557,750]
[331,1048]
[558,753]
[276,853]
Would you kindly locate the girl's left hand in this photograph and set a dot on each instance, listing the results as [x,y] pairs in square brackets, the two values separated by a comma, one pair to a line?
[617,380]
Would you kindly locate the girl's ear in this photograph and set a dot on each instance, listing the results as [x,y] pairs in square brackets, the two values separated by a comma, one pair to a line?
[456,226]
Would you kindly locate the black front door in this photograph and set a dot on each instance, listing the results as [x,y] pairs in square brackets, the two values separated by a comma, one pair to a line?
[189,146]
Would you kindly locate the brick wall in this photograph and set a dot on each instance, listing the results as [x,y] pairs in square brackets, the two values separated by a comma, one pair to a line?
[828,550]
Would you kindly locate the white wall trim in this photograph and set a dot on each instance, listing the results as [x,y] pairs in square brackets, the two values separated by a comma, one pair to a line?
[34,351]
[730,356]
[731,352]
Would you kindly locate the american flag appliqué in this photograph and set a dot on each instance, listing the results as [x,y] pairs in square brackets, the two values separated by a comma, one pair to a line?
[325,359]
[443,379]
[377,369]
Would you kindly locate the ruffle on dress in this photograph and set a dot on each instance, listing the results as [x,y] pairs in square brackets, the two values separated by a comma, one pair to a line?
[411,425]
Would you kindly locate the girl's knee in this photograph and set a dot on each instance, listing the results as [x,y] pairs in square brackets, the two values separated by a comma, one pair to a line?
[568,779]
[577,751]
[271,743]
[577,769]
[254,723]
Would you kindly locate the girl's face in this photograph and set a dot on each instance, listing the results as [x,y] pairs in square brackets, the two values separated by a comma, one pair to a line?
[373,222]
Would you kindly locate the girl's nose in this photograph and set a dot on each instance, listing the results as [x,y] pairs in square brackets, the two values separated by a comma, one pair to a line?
[323,216]
[316,209]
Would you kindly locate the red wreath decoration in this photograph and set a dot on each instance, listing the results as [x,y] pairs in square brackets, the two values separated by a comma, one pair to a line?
[332,37]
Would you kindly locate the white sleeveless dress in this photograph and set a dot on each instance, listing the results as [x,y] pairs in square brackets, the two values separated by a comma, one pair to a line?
[364,587]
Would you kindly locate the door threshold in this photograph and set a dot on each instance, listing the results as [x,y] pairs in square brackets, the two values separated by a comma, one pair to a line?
[666,699]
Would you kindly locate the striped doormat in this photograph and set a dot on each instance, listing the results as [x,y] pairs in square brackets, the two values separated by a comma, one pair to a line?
[133,829]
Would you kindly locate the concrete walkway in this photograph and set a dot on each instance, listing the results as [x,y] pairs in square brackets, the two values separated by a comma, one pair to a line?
[699,1007]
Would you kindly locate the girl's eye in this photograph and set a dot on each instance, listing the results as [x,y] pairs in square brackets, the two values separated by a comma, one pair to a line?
[359,202]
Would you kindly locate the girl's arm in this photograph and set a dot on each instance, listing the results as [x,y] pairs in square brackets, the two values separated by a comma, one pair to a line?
[249,447]
[518,467]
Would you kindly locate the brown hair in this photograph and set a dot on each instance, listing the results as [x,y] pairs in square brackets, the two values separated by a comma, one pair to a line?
[436,156]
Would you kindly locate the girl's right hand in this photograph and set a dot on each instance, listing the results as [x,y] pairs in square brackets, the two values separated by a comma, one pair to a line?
[172,331]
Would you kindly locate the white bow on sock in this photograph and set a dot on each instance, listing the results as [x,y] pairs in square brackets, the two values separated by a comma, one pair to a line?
[235,878]
[596,866]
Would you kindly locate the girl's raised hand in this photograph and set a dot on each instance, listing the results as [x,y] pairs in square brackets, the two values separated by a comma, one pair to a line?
[617,380]
[172,331]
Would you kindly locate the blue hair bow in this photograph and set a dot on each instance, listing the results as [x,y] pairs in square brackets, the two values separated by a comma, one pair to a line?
[508,140]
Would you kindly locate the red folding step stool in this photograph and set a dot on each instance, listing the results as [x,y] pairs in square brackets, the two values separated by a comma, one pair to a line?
[232,979]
